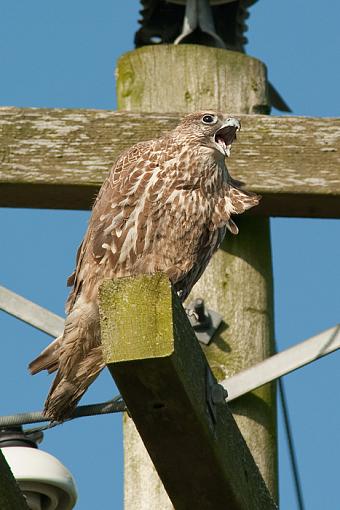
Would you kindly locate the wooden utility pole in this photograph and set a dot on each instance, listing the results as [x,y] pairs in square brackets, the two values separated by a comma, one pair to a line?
[238,281]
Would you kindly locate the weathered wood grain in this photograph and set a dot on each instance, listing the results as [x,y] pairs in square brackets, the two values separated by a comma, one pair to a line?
[190,77]
[163,376]
[238,284]
[58,158]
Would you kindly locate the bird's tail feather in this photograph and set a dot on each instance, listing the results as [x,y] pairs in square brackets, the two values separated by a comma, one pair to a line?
[77,355]
[66,392]
[48,359]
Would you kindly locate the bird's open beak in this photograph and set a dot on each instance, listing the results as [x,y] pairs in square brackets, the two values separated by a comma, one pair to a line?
[225,136]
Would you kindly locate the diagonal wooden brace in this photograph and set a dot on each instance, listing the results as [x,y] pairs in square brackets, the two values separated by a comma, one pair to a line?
[163,376]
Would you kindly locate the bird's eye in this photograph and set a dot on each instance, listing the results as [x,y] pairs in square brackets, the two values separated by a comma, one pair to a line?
[208,119]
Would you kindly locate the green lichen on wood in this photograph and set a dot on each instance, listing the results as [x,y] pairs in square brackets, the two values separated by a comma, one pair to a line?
[201,72]
[136,323]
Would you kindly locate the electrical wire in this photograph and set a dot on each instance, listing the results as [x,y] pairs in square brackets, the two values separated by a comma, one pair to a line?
[291,448]
[116,405]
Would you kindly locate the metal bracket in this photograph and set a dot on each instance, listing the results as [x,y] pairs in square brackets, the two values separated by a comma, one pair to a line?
[204,321]
[198,15]
[215,394]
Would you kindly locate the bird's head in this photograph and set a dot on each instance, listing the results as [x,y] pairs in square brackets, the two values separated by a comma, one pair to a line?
[211,129]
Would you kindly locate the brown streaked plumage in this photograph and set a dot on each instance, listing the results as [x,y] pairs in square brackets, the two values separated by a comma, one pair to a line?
[165,206]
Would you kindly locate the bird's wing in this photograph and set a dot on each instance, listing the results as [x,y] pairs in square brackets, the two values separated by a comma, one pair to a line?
[115,198]
[242,200]
[233,201]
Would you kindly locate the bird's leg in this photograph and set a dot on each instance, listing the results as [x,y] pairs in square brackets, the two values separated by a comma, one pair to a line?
[191,314]
[204,321]
[189,310]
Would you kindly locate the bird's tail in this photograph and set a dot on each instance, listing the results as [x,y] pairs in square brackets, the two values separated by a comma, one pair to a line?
[77,355]
[48,359]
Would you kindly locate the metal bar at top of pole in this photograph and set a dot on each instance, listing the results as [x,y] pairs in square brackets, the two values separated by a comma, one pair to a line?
[29,312]
[283,363]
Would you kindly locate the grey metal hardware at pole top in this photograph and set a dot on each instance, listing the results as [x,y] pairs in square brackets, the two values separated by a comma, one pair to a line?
[218,23]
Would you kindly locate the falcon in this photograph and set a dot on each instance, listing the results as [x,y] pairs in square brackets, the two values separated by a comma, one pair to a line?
[165,206]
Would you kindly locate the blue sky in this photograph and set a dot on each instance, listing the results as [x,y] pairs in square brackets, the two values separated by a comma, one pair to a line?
[63,54]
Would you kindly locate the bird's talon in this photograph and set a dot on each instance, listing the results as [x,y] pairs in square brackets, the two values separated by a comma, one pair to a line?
[191,313]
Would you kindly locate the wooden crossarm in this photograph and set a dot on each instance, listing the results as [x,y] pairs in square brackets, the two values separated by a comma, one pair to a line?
[58,158]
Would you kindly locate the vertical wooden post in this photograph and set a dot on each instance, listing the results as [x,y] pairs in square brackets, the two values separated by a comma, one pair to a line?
[238,281]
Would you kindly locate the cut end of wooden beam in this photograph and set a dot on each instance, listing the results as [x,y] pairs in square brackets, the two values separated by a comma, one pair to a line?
[138,90]
[149,299]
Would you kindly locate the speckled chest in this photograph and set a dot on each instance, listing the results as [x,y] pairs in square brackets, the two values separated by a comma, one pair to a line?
[188,203]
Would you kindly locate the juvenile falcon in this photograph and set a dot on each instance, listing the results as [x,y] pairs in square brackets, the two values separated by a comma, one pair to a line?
[165,206]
